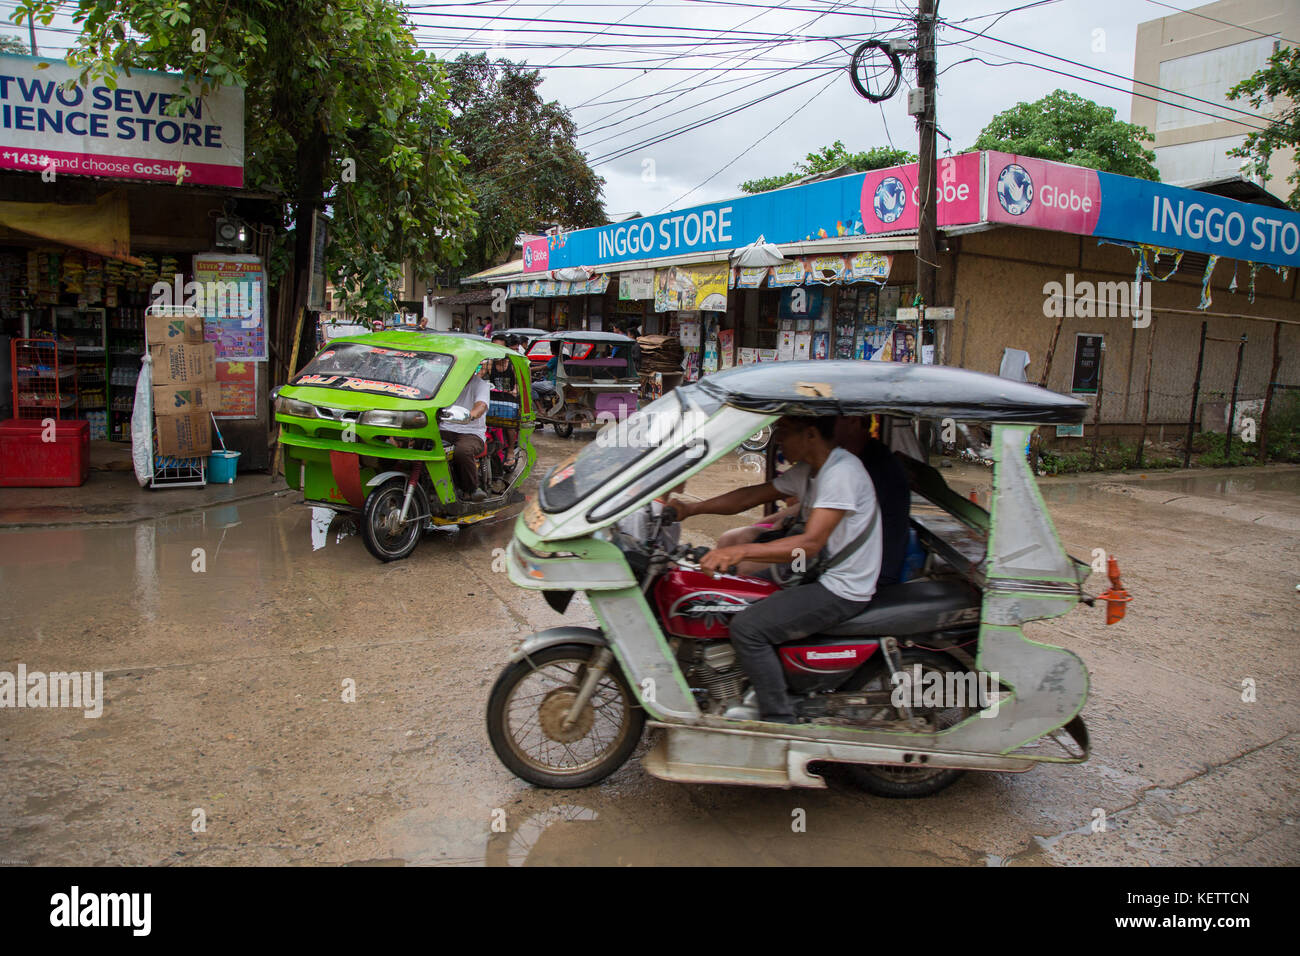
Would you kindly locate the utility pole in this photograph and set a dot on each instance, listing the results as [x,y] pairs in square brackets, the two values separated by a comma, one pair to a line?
[927,251]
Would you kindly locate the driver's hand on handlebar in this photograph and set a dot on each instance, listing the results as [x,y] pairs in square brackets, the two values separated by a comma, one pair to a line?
[723,560]
[681,509]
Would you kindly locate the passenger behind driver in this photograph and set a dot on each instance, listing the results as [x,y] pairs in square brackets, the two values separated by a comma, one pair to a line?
[469,437]
[893,491]
[841,518]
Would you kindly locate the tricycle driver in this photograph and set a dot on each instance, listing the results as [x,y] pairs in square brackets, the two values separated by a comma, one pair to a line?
[468,437]
[835,558]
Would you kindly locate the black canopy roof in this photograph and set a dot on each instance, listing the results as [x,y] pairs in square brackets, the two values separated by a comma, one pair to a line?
[855,387]
[577,336]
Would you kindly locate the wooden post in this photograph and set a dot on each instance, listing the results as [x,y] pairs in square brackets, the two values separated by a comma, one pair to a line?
[1036,441]
[1146,392]
[1196,395]
[293,367]
[1268,394]
[1101,397]
[1232,408]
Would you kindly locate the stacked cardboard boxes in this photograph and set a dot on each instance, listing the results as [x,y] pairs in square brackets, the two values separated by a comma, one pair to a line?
[184,385]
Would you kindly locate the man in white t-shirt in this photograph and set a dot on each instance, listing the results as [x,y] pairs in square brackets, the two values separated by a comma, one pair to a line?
[469,437]
[842,533]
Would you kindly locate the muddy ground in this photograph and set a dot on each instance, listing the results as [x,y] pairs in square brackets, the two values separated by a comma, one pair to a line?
[225,702]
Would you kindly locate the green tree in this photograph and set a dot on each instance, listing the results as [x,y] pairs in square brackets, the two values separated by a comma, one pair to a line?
[12,44]
[1067,128]
[524,164]
[342,111]
[830,158]
[1279,82]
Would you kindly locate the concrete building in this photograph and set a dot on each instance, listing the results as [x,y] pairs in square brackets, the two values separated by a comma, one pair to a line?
[1203,53]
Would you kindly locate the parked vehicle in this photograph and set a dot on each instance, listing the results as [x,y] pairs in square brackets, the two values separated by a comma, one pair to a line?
[572,703]
[583,379]
[360,426]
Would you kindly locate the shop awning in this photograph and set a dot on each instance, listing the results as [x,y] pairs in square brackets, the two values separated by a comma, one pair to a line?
[103,227]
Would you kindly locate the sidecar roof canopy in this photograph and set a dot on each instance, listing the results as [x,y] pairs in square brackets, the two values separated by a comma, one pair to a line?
[849,387]
[575,336]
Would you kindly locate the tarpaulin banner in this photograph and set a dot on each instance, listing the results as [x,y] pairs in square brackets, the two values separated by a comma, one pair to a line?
[120,133]
[686,288]
[636,284]
[891,197]
[103,228]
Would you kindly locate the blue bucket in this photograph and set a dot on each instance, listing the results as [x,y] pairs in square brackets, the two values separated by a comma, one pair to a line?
[221,467]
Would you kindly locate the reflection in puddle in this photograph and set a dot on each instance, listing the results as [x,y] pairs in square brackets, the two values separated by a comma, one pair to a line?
[321,521]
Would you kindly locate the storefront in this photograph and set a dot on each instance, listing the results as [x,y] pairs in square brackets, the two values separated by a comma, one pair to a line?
[1045,270]
[93,224]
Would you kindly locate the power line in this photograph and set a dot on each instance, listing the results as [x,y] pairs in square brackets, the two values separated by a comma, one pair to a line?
[733,161]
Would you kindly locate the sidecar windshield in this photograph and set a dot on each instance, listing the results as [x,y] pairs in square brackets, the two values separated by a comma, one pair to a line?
[404,373]
[667,420]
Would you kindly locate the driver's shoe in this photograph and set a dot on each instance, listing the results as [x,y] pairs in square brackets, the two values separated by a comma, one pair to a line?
[478,494]
[747,709]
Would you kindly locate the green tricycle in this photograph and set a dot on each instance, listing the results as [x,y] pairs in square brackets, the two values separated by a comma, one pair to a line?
[360,426]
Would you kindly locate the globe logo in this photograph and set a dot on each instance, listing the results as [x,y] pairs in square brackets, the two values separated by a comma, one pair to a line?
[1015,189]
[890,199]
[528,257]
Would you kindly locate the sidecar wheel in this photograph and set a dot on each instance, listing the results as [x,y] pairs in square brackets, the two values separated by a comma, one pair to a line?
[532,695]
[382,538]
[564,430]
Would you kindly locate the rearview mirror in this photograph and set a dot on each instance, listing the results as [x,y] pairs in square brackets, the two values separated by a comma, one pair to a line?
[454,413]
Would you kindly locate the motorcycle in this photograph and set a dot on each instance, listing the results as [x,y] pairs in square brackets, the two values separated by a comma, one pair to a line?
[360,427]
[573,702]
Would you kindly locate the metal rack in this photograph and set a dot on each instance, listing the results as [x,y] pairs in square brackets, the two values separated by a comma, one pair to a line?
[45,378]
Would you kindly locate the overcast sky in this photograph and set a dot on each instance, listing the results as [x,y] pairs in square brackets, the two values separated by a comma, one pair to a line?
[647,68]
[689,169]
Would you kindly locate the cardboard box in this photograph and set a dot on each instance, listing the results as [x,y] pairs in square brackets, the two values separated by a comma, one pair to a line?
[184,399]
[162,329]
[184,436]
[184,363]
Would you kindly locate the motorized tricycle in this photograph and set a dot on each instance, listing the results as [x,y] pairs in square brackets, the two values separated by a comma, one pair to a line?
[572,703]
[583,379]
[360,429]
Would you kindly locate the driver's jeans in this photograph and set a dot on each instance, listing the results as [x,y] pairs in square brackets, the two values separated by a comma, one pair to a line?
[788,615]
[464,461]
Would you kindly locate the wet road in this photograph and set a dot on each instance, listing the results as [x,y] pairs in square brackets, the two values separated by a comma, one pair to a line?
[230,638]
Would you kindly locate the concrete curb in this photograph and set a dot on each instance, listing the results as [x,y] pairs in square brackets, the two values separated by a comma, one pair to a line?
[279,488]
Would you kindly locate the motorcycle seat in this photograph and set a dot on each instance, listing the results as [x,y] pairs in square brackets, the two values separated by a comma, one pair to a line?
[543,387]
[914,607]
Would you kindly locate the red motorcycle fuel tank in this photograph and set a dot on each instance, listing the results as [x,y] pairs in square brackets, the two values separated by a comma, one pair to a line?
[695,604]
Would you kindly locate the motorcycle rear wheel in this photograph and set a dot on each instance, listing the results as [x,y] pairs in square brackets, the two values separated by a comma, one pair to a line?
[383,505]
[564,430]
[525,731]
[886,780]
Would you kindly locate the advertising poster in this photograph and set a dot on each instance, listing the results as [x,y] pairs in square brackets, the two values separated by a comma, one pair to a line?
[637,284]
[692,288]
[751,278]
[821,345]
[870,267]
[785,345]
[802,345]
[233,305]
[726,344]
[1087,362]
[904,344]
[236,390]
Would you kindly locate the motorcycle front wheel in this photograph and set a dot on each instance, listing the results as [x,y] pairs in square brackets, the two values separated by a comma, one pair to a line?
[529,704]
[384,536]
[758,441]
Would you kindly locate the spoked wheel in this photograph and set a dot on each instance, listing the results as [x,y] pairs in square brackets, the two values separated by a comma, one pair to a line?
[564,429]
[758,441]
[894,781]
[529,705]
[386,537]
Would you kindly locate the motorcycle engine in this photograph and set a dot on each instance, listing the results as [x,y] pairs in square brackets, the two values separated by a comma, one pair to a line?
[712,673]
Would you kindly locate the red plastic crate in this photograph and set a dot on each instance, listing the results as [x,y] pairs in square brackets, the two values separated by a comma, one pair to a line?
[28,462]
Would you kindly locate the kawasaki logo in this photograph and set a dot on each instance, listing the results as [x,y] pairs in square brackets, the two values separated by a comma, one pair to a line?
[850,655]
